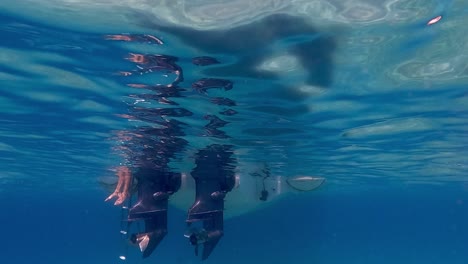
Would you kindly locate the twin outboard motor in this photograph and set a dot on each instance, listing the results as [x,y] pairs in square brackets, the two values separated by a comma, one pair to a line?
[214,178]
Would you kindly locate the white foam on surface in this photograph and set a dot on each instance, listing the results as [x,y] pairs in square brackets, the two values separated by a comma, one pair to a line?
[205,14]
[281,64]
[100,120]
[389,127]
[90,105]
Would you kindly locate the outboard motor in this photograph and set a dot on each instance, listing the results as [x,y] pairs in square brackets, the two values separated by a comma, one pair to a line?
[154,188]
[214,178]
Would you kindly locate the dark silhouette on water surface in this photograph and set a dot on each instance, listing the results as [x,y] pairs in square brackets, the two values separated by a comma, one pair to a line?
[252,43]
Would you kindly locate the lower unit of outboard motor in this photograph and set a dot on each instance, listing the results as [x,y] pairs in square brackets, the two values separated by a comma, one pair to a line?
[154,188]
[214,178]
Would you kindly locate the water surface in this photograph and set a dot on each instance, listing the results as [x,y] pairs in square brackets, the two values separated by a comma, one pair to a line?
[365,94]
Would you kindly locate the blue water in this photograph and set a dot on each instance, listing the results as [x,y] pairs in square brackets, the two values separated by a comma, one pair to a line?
[377,106]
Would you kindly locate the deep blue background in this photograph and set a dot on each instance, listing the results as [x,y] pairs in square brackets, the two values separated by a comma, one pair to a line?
[410,225]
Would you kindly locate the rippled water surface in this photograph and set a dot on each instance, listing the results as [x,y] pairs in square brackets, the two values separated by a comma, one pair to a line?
[366,94]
